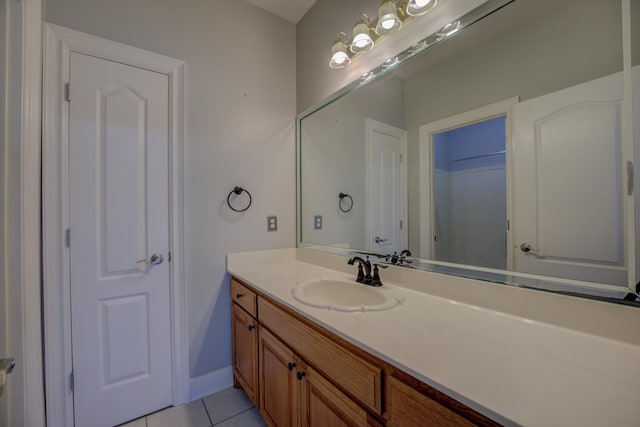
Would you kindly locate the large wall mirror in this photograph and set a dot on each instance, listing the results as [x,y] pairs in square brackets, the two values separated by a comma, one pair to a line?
[500,152]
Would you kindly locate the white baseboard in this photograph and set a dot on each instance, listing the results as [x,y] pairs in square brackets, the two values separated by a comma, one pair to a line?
[210,383]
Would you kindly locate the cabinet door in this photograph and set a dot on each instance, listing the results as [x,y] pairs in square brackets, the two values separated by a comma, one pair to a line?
[323,405]
[245,352]
[279,385]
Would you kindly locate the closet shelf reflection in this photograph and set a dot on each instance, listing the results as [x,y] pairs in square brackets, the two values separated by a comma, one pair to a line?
[497,153]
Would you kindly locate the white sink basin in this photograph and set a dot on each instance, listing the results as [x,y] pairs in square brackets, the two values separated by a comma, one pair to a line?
[343,295]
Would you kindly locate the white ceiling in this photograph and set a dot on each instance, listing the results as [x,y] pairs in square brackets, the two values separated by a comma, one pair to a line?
[291,10]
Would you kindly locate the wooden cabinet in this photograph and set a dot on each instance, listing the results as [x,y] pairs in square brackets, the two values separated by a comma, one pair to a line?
[244,297]
[245,351]
[408,407]
[299,374]
[279,385]
[324,405]
[293,394]
[355,375]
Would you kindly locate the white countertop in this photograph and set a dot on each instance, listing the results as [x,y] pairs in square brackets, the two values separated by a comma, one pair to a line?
[510,368]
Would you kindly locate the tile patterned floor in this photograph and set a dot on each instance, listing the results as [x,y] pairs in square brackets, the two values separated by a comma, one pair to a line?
[227,408]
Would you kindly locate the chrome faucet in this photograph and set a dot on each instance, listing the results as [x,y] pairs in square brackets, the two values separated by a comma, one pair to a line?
[396,259]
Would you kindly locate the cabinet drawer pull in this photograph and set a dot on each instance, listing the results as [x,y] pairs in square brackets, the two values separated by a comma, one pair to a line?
[291,365]
[239,295]
[300,375]
[251,327]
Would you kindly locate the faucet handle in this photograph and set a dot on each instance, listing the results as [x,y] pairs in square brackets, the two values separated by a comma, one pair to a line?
[375,281]
[360,277]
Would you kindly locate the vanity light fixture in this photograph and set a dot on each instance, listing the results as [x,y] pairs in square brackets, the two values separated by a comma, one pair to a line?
[392,15]
[449,29]
[420,7]
[418,47]
[388,20]
[366,76]
[339,54]
[390,62]
[362,40]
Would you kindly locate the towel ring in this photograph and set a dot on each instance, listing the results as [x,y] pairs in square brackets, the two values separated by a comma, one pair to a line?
[237,191]
[343,196]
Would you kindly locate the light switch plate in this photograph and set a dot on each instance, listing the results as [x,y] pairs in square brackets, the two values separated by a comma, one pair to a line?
[272,223]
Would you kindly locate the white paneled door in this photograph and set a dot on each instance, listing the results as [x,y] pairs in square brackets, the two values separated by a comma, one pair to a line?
[119,240]
[569,184]
[386,188]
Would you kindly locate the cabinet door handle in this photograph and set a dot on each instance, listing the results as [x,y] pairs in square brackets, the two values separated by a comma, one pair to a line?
[239,295]
[251,327]
[291,365]
[300,375]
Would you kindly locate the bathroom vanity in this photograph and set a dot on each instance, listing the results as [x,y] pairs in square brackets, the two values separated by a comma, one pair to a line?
[299,373]
[441,357]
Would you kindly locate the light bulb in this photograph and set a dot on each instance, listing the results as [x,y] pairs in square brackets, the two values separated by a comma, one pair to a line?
[361,39]
[339,56]
[420,7]
[387,24]
[388,21]
[449,29]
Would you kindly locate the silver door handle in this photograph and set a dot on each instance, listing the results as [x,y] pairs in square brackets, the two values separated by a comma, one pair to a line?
[379,240]
[6,367]
[154,260]
[527,249]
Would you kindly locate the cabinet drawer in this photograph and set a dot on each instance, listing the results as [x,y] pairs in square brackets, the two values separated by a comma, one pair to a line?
[242,296]
[408,407]
[356,376]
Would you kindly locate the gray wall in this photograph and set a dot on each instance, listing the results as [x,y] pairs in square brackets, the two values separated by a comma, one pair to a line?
[239,130]
[334,160]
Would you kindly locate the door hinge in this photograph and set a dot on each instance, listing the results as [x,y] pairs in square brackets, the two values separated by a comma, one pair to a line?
[71,381]
[401,158]
[67,92]
[400,224]
[67,238]
[629,178]
[169,257]
[508,225]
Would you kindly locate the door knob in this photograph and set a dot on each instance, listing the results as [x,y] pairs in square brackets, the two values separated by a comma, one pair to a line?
[6,367]
[379,240]
[525,247]
[154,260]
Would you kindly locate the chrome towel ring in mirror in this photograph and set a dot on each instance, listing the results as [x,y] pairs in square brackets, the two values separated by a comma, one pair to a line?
[237,191]
[348,203]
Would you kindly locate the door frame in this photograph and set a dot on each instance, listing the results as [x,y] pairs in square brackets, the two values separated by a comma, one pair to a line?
[371,126]
[59,42]
[28,381]
[502,108]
